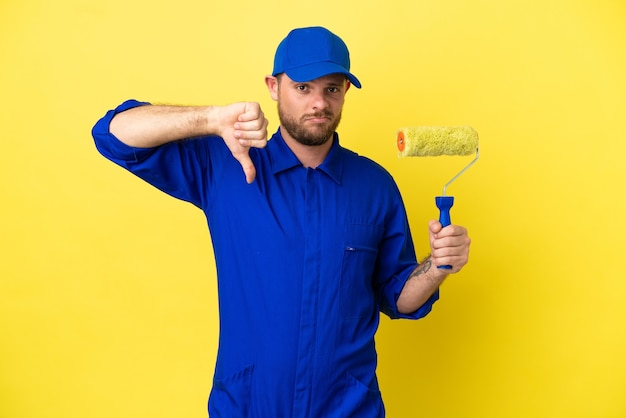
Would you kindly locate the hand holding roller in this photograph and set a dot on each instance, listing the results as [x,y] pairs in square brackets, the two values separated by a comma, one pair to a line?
[435,141]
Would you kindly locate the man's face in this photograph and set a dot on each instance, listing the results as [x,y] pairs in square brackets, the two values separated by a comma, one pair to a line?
[311,111]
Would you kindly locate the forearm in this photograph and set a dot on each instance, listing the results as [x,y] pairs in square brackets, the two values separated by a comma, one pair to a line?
[420,286]
[151,126]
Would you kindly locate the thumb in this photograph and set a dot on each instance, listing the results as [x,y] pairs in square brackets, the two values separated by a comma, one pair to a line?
[251,111]
[248,166]
[434,227]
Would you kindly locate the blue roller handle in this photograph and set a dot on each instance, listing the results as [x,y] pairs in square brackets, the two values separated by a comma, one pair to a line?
[444,203]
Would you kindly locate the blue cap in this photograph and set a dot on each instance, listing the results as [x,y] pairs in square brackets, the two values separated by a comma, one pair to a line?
[310,53]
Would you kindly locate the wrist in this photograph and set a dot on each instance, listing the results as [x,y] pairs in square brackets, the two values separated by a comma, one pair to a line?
[431,271]
[211,120]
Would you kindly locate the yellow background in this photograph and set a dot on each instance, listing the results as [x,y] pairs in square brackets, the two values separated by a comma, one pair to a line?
[107,288]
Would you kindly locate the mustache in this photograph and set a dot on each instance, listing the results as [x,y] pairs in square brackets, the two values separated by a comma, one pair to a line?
[322,114]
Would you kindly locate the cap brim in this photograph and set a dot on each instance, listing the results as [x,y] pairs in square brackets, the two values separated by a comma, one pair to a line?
[320,69]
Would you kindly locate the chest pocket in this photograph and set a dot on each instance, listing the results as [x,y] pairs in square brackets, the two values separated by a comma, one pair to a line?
[360,253]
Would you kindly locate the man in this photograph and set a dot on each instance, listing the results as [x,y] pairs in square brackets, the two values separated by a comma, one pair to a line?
[310,247]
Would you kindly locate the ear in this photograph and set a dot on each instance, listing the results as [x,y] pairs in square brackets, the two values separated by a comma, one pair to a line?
[272,86]
[348,85]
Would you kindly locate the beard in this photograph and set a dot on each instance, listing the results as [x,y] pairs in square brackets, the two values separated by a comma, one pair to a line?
[314,135]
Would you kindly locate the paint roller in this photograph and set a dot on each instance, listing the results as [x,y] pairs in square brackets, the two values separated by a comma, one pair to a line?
[433,141]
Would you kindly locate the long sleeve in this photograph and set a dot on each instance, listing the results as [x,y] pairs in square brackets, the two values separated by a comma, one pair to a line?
[181,169]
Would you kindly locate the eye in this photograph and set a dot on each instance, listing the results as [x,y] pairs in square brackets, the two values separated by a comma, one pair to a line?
[301,87]
[334,89]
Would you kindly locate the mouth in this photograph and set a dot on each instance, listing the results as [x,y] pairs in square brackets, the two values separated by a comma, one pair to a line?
[317,118]
[317,121]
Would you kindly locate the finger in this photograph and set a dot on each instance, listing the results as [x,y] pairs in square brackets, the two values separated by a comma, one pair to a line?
[248,167]
[251,111]
[251,134]
[251,125]
[434,226]
[257,143]
[454,242]
[455,256]
[259,135]
[452,231]
[250,173]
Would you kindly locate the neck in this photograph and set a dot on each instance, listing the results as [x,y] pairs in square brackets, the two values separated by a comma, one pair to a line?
[310,156]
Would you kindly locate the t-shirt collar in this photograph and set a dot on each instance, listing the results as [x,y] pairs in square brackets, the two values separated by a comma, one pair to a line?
[282,158]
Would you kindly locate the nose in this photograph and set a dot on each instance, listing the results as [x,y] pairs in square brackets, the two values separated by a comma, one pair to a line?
[318,100]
